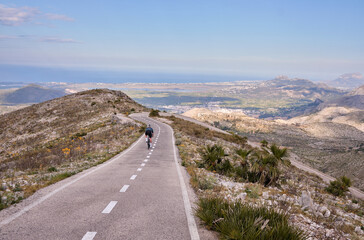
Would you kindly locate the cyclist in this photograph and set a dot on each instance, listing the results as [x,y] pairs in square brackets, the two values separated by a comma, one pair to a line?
[149,135]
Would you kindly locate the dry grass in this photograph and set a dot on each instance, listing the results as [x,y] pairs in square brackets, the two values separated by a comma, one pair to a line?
[47,142]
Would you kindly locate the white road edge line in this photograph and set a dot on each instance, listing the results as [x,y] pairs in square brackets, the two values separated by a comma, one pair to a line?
[190,219]
[89,236]
[192,227]
[30,206]
[124,188]
[109,207]
[133,177]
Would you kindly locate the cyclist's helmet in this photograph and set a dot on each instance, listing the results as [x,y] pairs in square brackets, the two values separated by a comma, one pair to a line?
[148,125]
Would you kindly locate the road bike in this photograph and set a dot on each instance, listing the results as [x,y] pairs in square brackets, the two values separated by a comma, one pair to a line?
[148,141]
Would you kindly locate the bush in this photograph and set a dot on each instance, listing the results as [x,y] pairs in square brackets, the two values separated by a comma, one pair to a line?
[52,169]
[339,186]
[154,113]
[264,143]
[213,156]
[238,221]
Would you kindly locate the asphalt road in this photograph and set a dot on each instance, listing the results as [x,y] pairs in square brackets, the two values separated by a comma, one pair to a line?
[139,194]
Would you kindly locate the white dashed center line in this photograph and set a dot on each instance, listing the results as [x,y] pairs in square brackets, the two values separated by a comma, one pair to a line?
[110,206]
[150,153]
[89,236]
[139,169]
[148,156]
[143,164]
[133,177]
[124,188]
[146,160]
[151,150]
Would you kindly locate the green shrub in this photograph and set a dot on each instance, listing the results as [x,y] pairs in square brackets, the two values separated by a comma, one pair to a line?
[264,143]
[154,113]
[52,169]
[239,221]
[339,186]
[213,156]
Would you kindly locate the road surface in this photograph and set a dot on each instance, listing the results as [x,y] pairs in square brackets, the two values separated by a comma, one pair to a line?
[139,194]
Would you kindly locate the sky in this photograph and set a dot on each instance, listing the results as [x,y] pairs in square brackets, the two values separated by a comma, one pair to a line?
[312,39]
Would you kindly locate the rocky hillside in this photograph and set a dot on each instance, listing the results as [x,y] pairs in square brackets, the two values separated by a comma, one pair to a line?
[46,142]
[32,94]
[335,148]
[348,109]
[347,116]
[354,99]
[228,119]
[245,192]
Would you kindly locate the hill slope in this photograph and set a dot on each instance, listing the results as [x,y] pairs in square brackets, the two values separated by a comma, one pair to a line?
[46,142]
[32,94]
[335,148]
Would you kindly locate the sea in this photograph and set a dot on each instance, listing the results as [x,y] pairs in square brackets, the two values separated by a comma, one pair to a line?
[17,75]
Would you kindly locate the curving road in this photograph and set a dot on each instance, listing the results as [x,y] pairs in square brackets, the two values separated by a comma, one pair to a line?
[138,194]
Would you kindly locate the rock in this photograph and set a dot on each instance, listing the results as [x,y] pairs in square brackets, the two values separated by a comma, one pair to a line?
[323,209]
[306,201]
[3,186]
[329,232]
[355,206]
[242,196]
[358,230]
[4,199]
[115,119]
[327,213]
[19,173]
[265,195]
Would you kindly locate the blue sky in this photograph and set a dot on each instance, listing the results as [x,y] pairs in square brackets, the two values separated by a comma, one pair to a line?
[311,39]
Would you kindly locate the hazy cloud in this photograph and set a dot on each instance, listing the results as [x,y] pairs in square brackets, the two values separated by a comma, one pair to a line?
[61,17]
[7,37]
[16,16]
[39,39]
[58,40]
[4,37]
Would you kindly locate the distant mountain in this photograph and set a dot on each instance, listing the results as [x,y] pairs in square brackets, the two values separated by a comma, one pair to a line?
[358,91]
[300,88]
[348,110]
[32,94]
[354,99]
[348,81]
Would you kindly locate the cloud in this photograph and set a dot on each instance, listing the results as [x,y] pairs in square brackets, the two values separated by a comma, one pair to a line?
[10,37]
[17,16]
[39,39]
[61,17]
[5,37]
[58,40]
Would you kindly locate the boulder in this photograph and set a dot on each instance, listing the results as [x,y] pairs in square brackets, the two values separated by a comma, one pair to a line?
[306,201]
